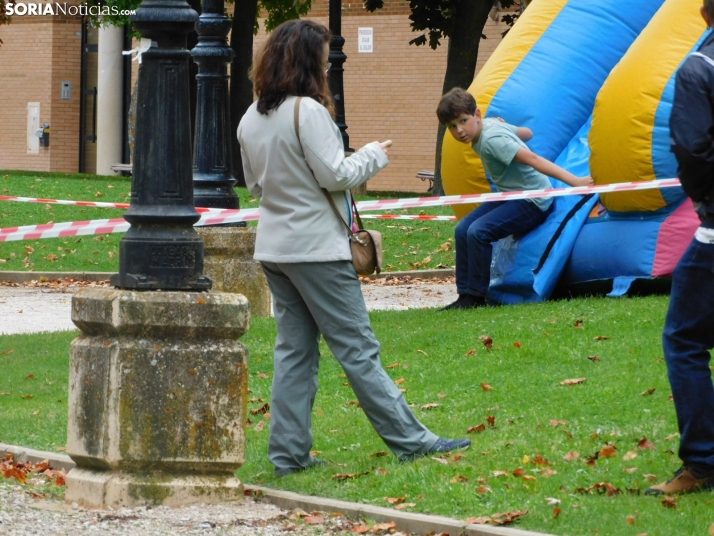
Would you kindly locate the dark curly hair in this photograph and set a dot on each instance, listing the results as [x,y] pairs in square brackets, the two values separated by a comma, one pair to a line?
[291,63]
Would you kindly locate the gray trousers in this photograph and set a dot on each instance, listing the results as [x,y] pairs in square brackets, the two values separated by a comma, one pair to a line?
[325,298]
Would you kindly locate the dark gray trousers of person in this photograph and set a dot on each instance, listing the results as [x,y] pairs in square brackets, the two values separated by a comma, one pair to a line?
[325,298]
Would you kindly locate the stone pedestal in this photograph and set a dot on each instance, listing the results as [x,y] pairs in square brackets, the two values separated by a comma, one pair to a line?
[228,261]
[157,398]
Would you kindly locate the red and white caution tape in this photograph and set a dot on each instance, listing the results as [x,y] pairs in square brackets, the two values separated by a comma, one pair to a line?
[220,216]
[406,217]
[95,204]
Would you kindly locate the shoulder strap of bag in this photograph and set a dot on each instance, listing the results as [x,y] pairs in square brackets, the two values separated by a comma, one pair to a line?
[296,116]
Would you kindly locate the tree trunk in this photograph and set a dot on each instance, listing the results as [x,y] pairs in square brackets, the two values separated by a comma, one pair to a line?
[470,17]
[241,87]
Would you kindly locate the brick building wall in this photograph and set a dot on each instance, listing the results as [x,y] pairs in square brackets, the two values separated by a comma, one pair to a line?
[37,54]
[392,92]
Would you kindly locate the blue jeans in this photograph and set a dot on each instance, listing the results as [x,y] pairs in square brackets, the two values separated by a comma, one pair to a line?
[687,338]
[476,232]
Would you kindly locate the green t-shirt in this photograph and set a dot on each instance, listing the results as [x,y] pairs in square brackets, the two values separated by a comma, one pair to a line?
[497,147]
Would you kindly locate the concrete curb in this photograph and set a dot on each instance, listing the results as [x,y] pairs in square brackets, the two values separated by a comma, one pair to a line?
[24,277]
[287,500]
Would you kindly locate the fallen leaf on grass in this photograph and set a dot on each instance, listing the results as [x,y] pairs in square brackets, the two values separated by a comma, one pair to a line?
[404,505]
[263,376]
[26,397]
[552,501]
[5,393]
[486,387]
[259,426]
[556,512]
[648,391]
[630,520]
[440,460]
[315,520]
[631,455]
[400,381]
[669,502]
[431,405]
[349,476]
[500,473]
[441,395]
[471,352]
[491,420]
[517,345]
[558,423]
[261,410]
[650,477]
[608,451]
[459,479]
[573,381]
[645,444]
[578,324]
[540,460]
[360,529]
[483,489]
[7,351]
[476,429]
[570,456]
[600,487]
[668,438]
[547,472]
[379,454]
[529,478]
[396,500]
[601,338]
[594,358]
[630,470]
[393,365]
[487,341]
[507,518]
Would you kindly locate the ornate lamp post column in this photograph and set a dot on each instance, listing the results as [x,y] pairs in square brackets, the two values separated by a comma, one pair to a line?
[161,250]
[212,159]
[337,59]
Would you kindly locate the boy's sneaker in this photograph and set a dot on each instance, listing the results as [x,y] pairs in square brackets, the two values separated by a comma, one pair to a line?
[447,445]
[292,470]
[466,301]
[685,480]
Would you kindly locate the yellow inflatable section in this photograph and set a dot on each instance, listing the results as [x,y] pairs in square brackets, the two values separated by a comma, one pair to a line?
[461,170]
[623,129]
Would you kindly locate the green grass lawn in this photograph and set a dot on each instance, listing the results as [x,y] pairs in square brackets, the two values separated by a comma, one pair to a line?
[408,245]
[535,441]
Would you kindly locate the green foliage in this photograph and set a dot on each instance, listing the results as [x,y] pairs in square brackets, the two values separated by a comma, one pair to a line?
[437,18]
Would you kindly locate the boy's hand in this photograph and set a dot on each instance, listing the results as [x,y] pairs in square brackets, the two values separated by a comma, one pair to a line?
[583,181]
[384,144]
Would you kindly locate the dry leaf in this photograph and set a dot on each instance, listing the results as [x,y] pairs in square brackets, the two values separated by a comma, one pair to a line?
[471,352]
[459,479]
[261,410]
[517,344]
[379,454]
[570,456]
[349,476]
[432,405]
[478,520]
[630,520]
[540,460]
[650,477]
[476,429]
[556,512]
[573,381]
[645,444]
[30,377]
[259,426]
[491,420]
[648,392]
[529,478]
[594,358]
[508,517]
[601,338]
[315,520]
[500,473]
[483,489]
[26,397]
[487,341]
[631,455]
[360,529]
[547,472]
[552,501]
[400,381]
[404,505]
[11,350]
[486,387]
[600,487]
[578,324]
[393,365]
[395,500]
[558,423]
[669,502]
[441,395]
[630,470]
[608,451]
[263,376]
[440,460]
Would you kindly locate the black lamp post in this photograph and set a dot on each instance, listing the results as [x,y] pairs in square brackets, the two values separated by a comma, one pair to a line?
[337,59]
[212,158]
[161,250]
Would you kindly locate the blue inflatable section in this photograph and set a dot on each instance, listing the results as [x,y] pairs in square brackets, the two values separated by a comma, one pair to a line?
[566,95]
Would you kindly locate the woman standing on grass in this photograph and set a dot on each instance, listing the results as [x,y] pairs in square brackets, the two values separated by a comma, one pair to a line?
[305,252]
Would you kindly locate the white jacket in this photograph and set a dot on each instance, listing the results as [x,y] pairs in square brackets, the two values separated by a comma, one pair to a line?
[297,224]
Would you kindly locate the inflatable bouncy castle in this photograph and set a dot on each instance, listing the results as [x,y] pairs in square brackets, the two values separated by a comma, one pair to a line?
[594,81]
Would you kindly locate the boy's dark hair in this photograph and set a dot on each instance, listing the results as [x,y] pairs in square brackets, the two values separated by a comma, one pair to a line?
[709,6]
[456,102]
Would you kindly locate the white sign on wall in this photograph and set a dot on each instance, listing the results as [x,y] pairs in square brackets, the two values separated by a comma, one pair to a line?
[365,42]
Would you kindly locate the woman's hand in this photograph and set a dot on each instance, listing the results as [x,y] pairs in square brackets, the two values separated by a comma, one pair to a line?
[384,144]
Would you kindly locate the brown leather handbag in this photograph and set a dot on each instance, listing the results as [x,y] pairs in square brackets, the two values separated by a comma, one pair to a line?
[366,244]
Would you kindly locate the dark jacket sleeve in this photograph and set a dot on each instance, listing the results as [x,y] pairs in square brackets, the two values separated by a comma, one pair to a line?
[692,129]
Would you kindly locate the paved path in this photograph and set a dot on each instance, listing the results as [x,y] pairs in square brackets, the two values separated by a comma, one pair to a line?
[33,307]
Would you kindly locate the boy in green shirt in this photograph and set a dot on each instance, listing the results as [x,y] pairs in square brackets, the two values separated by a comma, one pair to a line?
[512,166]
